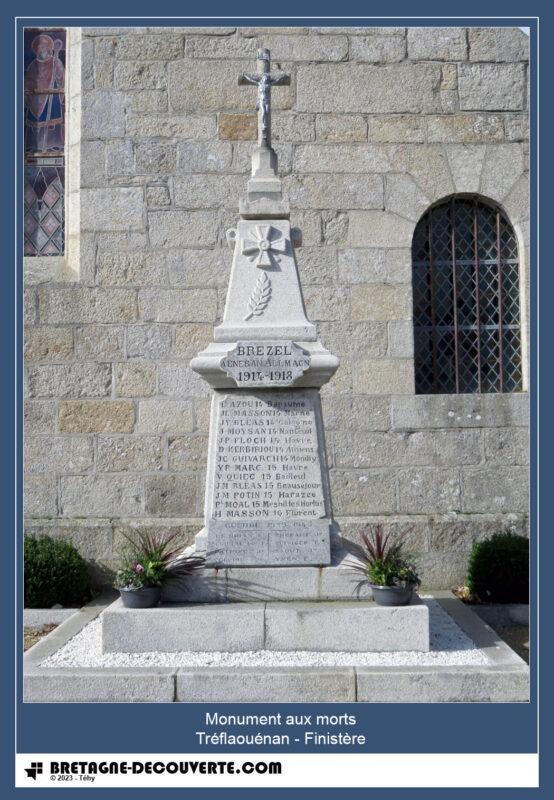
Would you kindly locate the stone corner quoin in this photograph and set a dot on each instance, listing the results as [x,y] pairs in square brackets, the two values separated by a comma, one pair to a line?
[376,125]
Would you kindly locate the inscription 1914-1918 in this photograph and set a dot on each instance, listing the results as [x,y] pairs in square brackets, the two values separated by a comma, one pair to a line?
[268,363]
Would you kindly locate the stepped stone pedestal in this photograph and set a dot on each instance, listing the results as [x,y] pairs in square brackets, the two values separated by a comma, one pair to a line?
[337,626]
[268,534]
[335,581]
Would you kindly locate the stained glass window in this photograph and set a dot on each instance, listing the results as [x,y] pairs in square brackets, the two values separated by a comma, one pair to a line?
[44,127]
[467,334]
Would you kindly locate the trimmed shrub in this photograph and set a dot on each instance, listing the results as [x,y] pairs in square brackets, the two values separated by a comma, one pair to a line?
[498,569]
[54,573]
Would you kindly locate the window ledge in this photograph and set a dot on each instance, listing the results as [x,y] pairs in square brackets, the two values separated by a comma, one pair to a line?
[468,395]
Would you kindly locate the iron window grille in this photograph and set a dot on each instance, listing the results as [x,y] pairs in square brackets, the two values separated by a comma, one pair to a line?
[467,336]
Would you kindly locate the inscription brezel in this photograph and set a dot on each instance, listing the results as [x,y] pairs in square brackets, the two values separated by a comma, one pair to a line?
[270,363]
[268,503]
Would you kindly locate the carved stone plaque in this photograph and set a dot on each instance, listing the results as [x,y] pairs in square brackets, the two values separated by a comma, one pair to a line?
[247,544]
[267,499]
[269,363]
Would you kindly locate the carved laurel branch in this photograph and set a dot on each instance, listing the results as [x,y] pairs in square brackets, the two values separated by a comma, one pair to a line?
[260,297]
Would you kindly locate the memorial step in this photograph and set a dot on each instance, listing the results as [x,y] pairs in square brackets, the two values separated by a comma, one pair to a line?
[328,626]
[338,581]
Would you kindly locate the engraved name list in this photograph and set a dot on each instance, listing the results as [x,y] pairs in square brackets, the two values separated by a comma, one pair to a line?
[268,488]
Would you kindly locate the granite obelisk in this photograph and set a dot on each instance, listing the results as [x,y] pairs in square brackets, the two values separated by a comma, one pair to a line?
[267,490]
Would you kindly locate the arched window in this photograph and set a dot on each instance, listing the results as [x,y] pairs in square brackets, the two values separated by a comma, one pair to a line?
[466,300]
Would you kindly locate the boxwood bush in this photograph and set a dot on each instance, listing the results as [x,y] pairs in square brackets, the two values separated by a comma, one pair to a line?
[498,569]
[54,573]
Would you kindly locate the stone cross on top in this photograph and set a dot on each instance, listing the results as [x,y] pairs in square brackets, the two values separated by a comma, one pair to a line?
[264,81]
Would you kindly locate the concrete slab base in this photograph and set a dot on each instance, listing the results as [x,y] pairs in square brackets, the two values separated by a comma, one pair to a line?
[36,618]
[262,685]
[506,615]
[505,678]
[279,685]
[332,626]
[88,685]
[347,626]
[442,685]
[229,627]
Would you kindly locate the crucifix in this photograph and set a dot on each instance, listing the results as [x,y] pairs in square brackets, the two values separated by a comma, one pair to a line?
[264,81]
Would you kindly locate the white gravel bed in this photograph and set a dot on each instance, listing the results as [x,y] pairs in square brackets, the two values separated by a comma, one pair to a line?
[449,647]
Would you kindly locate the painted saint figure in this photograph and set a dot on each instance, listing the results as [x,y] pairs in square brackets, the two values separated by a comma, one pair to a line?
[44,108]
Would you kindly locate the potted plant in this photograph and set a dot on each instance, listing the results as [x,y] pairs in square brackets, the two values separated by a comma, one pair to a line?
[147,562]
[391,576]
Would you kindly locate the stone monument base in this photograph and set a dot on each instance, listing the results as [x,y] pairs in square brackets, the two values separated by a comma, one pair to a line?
[337,581]
[499,676]
[239,609]
[348,626]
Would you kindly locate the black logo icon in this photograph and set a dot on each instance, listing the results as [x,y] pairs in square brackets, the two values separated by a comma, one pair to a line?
[34,770]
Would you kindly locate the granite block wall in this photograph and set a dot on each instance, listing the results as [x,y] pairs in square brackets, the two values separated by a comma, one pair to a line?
[378,124]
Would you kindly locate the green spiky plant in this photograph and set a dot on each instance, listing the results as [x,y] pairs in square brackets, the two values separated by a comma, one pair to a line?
[152,558]
[381,561]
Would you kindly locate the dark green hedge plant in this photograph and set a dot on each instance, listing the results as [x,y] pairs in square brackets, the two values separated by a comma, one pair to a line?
[498,569]
[54,573]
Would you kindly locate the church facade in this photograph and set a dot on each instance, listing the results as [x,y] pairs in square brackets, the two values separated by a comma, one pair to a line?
[403,154]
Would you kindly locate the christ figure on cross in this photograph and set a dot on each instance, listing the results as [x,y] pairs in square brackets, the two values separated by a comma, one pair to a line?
[264,80]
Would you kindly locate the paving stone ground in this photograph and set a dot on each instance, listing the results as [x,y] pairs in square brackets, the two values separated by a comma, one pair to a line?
[517,637]
[31,635]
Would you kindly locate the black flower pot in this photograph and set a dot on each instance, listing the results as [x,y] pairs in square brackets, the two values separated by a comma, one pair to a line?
[392,595]
[143,597]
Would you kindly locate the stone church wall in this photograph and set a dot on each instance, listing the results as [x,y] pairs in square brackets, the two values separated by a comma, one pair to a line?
[376,126]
